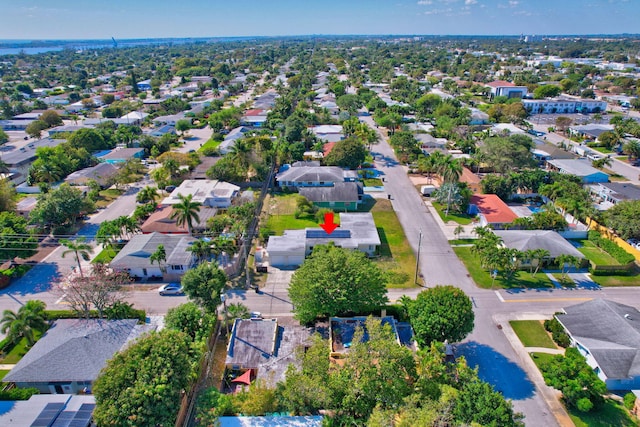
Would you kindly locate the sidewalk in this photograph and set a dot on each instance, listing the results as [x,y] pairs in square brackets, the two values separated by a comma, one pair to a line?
[550,395]
[448,229]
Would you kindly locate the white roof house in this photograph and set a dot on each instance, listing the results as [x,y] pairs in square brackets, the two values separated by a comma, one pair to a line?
[356,231]
[209,192]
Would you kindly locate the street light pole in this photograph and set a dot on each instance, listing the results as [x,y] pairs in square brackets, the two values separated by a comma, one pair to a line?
[415,280]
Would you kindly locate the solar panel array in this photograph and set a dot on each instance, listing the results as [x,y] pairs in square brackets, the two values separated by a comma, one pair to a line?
[53,416]
[321,234]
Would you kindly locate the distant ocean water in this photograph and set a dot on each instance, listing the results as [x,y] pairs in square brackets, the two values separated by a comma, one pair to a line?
[28,50]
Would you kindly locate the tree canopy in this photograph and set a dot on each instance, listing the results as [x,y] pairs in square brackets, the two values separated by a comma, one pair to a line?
[348,153]
[441,313]
[15,239]
[335,281]
[204,284]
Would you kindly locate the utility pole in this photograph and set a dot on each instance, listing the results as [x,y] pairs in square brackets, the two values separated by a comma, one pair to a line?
[415,280]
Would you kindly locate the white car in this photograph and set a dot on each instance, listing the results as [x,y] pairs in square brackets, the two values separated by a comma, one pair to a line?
[170,289]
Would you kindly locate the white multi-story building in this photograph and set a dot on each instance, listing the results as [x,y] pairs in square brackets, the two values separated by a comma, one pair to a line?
[563,105]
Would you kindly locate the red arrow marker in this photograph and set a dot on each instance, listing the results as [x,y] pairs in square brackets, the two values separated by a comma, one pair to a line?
[329,226]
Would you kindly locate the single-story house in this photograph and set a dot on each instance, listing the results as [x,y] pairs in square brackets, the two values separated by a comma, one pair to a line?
[491,210]
[231,138]
[19,160]
[209,192]
[478,117]
[134,118]
[590,131]
[161,222]
[429,143]
[607,334]
[550,240]
[508,128]
[49,410]
[121,155]
[616,192]
[26,205]
[102,173]
[356,231]
[579,167]
[134,257]
[144,84]
[65,129]
[15,124]
[170,120]
[342,196]
[328,133]
[311,174]
[163,130]
[254,118]
[70,355]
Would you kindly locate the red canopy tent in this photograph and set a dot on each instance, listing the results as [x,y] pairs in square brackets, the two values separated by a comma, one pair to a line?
[244,378]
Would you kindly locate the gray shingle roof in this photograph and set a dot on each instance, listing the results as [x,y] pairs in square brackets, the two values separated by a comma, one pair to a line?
[315,174]
[523,240]
[340,192]
[578,167]
[613,339]
[136,253]
[74,350]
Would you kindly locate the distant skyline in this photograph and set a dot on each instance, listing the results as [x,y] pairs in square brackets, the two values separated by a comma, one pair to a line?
[93,19]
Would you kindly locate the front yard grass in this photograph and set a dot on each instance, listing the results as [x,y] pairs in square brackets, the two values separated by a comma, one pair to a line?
[540,358]
[210,145]
[612,414]
[483,279]
[19,350]
[372,182]
[532,333]
[4,372]
[595,254]
[107,196]
[613,281]
[462,219]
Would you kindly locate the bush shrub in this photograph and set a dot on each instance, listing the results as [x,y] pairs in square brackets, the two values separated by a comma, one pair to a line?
[18,393]
[629,400]
[558,334]
[141,315]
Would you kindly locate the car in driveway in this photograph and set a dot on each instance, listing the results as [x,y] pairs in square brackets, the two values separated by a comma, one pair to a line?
[170,289]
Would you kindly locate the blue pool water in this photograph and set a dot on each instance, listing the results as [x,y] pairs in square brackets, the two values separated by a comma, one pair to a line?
[535,209]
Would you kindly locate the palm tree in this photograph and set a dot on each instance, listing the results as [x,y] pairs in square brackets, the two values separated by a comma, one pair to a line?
[159,256]
[186,211]
[79,248]
[29,318]
[451,170]
[458,230]
[601,163]
[147,194]
[539,255]
[632,149]
[128,225]
[201,250]
[237,310]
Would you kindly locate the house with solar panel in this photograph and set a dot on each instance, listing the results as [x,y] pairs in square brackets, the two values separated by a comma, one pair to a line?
[357,231]
[71,354]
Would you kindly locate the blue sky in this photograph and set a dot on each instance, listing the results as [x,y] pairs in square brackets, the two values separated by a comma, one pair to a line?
[76,19]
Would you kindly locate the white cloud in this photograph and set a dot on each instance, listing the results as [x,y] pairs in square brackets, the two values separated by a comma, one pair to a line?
[513,3]
[470,2]
[438,11]
[425,2]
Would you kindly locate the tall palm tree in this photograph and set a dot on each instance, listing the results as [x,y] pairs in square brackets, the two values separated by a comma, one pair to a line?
[79,248]
[147,194]
[201,250]
[159,256]
[29,318]
[186,211]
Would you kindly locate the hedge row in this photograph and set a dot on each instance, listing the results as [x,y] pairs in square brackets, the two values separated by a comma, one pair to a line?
[622,256]
[558,334]
[141,315]
[18,393]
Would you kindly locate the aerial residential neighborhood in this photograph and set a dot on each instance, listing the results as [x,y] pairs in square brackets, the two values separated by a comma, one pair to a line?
[322,230]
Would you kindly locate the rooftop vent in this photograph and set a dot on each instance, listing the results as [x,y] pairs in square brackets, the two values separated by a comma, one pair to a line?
[627,316]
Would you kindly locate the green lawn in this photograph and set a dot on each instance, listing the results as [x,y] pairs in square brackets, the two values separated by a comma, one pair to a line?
[612,414]
[532,333]
[396,257]
[613,281]
[595,254]
[372,182]
[463,241]
[18,351]
[603,150]
[4,372]
[278,223]
[483,279]
[107,196]
[210,145]
[462,219]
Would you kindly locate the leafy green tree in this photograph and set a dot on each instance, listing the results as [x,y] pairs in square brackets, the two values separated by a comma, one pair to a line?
[624,219]
[147,194]
[182,126]
[79,248]
[575,379]
[185,212]
[59,207]
[201,249]
[335,281]
[507,154]
[237,310]
[143,384]
[35,128]
[51,118]
[190,319]
[204,285]
[25,322]
[348,153]
[546,91]
[479,403]
[7,195]
[4,138]
[89,139]
[441,313]
[15,239]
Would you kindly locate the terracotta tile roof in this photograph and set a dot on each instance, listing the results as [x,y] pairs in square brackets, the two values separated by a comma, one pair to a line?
[500,83]
[255,112]
[326,148]
[493,208]
[160,222]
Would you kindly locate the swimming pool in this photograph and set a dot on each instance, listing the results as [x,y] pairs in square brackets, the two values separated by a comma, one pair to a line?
[535,209]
